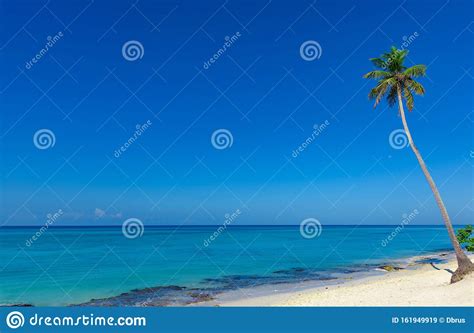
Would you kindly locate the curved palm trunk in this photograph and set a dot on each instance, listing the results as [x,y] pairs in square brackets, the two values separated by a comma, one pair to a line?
[465,265]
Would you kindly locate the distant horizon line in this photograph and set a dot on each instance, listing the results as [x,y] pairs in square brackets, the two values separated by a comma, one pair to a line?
[227,226]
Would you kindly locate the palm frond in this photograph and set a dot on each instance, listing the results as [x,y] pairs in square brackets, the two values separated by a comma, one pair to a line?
[380,90]
[376,75]
[394,76]
[415,86]
[408,98]
[415,71]
[392,96]
[378,62]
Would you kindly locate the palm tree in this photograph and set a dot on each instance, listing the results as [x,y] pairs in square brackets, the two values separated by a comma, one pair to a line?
[398,83]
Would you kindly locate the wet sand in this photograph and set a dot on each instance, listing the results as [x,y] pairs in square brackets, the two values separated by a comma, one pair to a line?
[420,283]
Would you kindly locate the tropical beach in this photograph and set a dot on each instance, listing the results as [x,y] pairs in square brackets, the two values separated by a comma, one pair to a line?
[420,285]
[278,267]
[184,160]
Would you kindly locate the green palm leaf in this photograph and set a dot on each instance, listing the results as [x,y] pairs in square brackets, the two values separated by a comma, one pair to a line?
[376,75]
[393,76]
[415,71]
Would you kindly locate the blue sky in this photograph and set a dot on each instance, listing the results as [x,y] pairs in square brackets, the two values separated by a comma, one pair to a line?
[260,89]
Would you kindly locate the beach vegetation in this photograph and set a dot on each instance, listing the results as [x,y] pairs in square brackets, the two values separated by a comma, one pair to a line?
[466,237]
[398,84]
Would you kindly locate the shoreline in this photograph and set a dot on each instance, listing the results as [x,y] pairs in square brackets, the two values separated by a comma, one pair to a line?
[261,290]
[417,283]
[305,287]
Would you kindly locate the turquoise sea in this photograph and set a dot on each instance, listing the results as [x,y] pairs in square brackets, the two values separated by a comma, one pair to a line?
[172,265]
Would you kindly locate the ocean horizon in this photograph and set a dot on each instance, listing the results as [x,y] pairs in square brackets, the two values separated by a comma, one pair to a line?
[32,226]
[236,166]
[166,265]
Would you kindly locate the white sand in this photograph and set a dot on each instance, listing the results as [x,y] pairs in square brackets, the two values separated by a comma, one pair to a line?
[423,286]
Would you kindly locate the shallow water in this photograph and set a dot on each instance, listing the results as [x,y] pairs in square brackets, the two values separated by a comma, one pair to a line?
[170,266]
